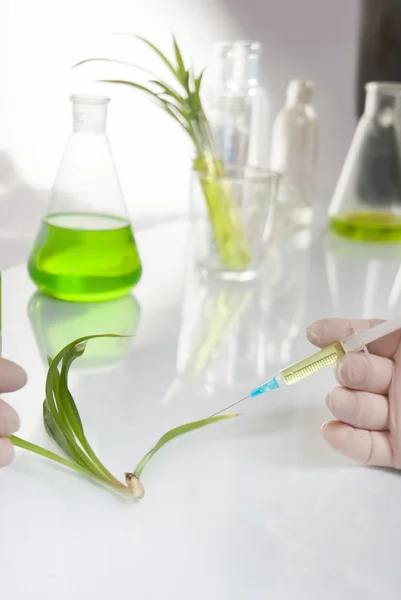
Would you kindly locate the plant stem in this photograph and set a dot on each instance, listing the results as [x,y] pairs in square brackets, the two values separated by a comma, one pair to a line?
[226,222]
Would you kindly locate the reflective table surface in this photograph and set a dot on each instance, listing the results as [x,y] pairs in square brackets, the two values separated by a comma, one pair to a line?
[254,508]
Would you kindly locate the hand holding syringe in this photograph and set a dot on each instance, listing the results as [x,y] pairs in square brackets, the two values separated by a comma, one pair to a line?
[368,406]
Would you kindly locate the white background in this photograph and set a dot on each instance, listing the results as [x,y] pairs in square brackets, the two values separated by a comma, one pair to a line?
[41,40]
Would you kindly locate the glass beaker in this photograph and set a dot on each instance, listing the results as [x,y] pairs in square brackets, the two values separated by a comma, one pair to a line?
[254,193]
[85,250]
[367,200]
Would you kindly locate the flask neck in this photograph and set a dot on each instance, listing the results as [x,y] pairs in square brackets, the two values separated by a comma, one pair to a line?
[299,92]
[382,96]
[222,64]
[246,57]
[89,113]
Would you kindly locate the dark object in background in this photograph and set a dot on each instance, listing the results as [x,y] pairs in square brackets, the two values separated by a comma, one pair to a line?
[379,52]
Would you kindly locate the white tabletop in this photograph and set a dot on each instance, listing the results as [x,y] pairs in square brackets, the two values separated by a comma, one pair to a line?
[257,508]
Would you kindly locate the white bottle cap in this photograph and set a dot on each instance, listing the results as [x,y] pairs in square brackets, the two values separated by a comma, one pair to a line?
[300,91]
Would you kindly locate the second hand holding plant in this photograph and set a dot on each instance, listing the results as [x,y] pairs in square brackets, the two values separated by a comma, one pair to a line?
[185,107]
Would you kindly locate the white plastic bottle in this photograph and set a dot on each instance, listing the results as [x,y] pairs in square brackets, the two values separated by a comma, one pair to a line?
[294,148]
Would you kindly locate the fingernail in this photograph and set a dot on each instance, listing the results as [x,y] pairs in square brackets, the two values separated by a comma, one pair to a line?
[313,332]
[323,427]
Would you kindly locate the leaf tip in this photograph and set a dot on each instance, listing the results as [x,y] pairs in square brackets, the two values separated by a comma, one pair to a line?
[81,346]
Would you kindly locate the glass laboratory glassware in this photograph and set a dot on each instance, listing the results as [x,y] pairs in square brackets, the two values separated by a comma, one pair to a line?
[85,250]
[226,121]
[217,77]
[366,204]
[238,107]
[294,147]
[255,192]
[250,103]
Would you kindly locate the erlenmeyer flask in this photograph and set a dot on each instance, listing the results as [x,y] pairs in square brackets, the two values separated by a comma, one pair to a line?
[367,201]
[85,250]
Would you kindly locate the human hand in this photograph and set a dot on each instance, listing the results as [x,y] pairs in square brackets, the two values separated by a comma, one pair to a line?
[12,378]
[367,406]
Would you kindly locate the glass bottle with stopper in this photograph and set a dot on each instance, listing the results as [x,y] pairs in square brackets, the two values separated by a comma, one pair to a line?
[85,250]
[238,105]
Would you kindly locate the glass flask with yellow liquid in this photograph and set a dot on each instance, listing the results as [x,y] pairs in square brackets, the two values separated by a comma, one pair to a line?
[366,204]
[85,250]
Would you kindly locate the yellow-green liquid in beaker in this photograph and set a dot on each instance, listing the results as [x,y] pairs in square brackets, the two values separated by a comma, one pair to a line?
[82,257]
[368,226]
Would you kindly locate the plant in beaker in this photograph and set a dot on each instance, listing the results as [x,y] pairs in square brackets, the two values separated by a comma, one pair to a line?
[183,104]
[85,250]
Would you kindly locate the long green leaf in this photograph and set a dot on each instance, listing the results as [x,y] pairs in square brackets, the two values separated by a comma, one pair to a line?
[198,81]
[141,88]
[56,425]
[116,61]
[155,49]
[52,429]
[180,61]
[71,411]
[167,106]
[16,441]
[173,433]
[66,400]
[20,443]
[60,429]
[169,91]
[64,440]
[56,422]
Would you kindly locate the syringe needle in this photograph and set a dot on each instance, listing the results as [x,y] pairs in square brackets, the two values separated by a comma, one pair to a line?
[230,406]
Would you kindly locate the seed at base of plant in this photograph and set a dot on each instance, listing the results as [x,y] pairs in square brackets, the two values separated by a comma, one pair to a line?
[134,485]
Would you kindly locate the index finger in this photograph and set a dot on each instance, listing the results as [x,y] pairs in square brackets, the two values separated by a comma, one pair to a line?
[12,376]
[323,332]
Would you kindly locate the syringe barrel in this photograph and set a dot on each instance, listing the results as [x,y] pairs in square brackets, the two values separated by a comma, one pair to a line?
[357,341]
[303,368]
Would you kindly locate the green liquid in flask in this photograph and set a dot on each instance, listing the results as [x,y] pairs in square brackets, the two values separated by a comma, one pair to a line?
[368,226]
[81,257]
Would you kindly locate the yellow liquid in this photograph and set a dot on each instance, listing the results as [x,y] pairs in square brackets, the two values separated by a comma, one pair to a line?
[368,226]
[303,368]
[82,257]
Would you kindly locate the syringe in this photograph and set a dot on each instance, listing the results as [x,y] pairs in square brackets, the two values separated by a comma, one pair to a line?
[323,358]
